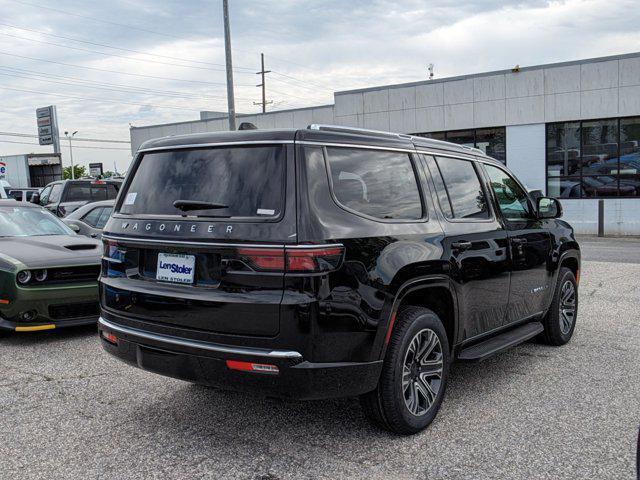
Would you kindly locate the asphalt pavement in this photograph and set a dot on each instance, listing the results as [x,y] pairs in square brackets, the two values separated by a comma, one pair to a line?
[68,410]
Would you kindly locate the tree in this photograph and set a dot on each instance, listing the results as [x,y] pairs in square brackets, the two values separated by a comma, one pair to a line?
[78,170]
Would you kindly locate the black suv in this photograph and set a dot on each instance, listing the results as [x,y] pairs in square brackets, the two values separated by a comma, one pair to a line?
[65,196]
[328,262]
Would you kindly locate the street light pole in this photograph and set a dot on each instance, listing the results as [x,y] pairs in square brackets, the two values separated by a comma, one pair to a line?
[69,137]
[227,49]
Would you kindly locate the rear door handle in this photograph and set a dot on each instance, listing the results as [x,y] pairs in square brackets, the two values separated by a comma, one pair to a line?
[461,246]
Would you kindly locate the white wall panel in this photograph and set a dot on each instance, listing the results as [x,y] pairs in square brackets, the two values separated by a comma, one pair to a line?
[526,154]
[430,95]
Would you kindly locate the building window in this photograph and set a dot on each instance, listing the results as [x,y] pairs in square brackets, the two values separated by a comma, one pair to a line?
[594,158]
[491,141]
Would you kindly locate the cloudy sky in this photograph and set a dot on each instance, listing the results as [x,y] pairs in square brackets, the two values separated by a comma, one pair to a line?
[108,65]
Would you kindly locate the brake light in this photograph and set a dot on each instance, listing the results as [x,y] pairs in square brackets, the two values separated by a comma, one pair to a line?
[252,367]
[293,259]
[269,259]
[97,182]
[61,211]
[314,259]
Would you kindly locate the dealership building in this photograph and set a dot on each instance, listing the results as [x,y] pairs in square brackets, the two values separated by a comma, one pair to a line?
[569,129]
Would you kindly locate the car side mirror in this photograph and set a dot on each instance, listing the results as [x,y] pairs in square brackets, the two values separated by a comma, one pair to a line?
[35,198]
[74,227]
[549,208]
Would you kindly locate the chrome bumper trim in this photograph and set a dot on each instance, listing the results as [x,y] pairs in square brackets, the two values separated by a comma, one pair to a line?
[212,347]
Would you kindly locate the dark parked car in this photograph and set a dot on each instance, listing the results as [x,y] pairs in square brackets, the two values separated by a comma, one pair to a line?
[328,262]
[65,196]
[90,219]
[48,274]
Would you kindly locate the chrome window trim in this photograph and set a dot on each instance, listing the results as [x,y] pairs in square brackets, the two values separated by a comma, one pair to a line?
[221,244]
[218,144]
[212,347]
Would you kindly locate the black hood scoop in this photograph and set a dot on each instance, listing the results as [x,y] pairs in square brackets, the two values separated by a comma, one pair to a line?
[81,246]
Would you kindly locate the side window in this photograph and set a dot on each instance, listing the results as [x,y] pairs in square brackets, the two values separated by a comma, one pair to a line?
[376,183]
[104,216]
[512,199]
[56,191]
[93,216]
[44,196]
[463,189]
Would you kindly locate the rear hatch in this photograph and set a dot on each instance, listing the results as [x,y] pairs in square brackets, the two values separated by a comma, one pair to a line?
[198,237]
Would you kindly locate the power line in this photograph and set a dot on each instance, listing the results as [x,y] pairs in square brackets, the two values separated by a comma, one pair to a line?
[100,85]
[117,48]
[117,55]
[79,146]
[101,100]
[30,135]
[112,71]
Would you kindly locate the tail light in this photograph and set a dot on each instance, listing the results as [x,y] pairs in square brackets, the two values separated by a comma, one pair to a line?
[303,259]
[61,211]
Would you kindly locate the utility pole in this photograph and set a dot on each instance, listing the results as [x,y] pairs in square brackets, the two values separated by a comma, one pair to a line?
[69,137]
[263,85]
[227,49]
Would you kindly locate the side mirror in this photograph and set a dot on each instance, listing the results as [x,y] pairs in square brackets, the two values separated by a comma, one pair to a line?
[35,198]
[74,227]
[549,208]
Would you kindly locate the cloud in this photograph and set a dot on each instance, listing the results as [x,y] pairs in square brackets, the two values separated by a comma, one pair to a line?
[313,48]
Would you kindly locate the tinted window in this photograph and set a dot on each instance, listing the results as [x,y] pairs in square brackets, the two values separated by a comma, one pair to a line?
[249,181]
[81,192]
[17,194]
[93,216]
[465,192]
[112,191]
[512,199]
[443,198]
[56,192]
[44,195]
[376,183]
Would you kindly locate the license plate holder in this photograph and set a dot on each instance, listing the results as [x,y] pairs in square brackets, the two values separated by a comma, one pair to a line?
[176,268]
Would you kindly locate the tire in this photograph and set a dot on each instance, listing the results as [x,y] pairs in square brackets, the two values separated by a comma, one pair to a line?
[559,327]
[410,406]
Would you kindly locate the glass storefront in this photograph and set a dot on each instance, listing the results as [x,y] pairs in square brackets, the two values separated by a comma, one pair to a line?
[593,158]
[491,141]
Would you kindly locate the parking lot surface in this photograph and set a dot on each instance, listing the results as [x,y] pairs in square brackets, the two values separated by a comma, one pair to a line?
[68,410]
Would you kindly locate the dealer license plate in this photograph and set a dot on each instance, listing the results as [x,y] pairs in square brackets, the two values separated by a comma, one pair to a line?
[177,268]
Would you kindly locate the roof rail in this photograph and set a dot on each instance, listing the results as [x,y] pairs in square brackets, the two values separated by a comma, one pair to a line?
[338,128]
[474,149]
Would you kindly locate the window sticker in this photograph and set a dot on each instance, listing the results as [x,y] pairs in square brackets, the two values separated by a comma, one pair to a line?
[265,211]
[130,199]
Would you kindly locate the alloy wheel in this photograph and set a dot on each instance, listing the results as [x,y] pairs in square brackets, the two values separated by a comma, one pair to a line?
[567,306]
[422,372]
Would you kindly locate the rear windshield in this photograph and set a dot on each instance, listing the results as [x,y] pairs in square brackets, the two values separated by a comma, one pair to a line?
[239,182]
[94,192]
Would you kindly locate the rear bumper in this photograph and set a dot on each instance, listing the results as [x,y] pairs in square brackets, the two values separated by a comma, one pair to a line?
[205,363]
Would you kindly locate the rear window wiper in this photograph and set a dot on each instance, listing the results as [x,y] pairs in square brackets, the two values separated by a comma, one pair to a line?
[187,205]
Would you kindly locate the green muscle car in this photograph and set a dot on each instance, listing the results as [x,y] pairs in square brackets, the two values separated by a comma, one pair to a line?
[48,274]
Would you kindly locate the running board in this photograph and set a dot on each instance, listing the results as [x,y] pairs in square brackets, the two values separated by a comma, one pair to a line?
[503,341]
